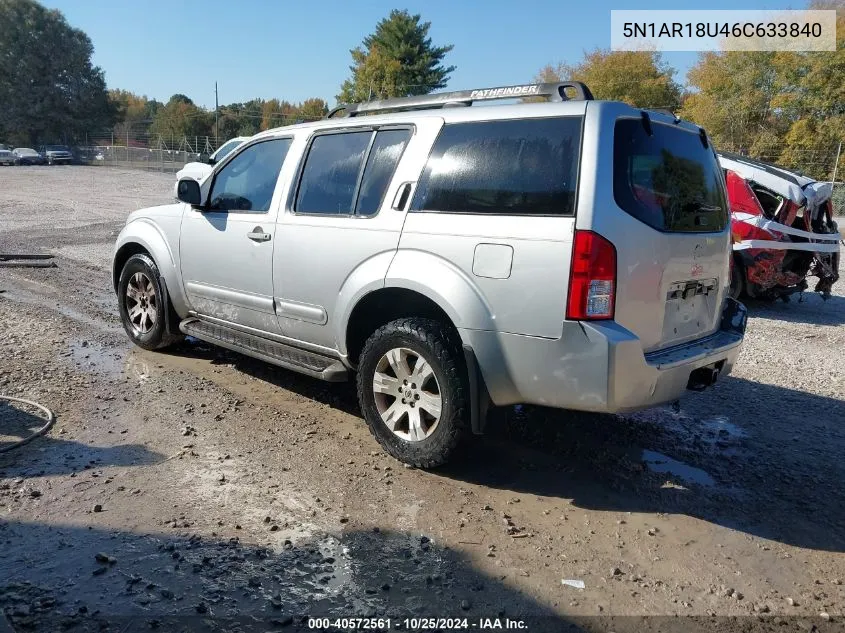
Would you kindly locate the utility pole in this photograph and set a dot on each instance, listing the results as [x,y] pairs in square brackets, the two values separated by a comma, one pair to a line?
[836,166]
[216,114]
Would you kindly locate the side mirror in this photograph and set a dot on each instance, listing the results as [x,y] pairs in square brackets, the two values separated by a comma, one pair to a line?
[188,191]
[205,158]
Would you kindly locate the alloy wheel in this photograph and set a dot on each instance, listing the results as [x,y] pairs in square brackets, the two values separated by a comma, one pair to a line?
[141,303]
[407,394]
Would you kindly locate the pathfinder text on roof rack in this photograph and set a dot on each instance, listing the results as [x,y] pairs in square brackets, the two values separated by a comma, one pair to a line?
[562,91]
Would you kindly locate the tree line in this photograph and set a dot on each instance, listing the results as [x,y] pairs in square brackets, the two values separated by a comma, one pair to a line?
[138,117]
[787,108]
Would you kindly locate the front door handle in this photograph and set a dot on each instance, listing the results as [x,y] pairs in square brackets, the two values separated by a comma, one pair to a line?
[257,235]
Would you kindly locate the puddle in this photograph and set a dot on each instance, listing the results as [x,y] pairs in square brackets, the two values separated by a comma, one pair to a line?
[108,361]
[137,369]
[660,463]
[338,574]
[721,429]
[165,575]
[90,356]
[707,435]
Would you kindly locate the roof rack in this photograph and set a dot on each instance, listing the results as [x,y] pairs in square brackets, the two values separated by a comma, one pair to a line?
[552,92]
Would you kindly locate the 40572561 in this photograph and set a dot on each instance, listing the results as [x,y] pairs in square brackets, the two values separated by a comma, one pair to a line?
[362,624]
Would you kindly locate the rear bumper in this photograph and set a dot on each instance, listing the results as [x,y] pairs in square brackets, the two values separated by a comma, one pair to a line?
[600,366]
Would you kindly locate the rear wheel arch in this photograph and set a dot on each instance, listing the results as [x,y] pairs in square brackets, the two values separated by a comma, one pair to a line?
[384,305]
[377,309]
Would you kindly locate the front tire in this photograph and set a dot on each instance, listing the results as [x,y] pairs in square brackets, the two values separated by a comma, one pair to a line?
[412,390]
[143,303]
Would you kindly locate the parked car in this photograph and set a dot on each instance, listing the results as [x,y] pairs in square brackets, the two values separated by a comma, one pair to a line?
[57,154]
[6,157]
[571,254]
[199,170]
[89,155]
[783,228]
[28,156]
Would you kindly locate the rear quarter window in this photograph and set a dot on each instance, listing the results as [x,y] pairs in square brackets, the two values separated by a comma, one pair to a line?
[669,180]
[511,167]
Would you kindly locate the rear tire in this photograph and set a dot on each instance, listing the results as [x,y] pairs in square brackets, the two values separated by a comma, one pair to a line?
[737,288]
[143,304]
[412,389]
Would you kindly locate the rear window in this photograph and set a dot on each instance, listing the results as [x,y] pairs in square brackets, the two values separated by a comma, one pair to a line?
[348,172]
[330,175]
[515,167]
[668,179]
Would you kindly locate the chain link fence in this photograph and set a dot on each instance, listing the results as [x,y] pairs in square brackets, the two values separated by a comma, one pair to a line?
[152,153]
[838,198]
[163,160]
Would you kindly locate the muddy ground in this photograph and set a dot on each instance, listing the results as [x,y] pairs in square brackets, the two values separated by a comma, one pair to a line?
[198,489]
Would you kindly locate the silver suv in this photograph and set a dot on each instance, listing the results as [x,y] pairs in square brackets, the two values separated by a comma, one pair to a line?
[573,254]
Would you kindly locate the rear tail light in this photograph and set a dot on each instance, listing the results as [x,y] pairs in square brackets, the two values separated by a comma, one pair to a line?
[592,278]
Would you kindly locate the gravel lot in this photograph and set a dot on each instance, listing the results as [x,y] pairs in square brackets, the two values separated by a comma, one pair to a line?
[201,490]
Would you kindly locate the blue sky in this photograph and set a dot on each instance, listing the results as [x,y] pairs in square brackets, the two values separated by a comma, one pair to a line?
[297,49]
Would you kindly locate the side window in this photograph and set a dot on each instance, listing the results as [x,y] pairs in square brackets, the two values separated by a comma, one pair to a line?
[330,176]
[247,182]
[381,163]
[332,181]
[225,150]
[524,166]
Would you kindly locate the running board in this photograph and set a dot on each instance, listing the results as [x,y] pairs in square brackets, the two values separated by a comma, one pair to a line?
[287,356]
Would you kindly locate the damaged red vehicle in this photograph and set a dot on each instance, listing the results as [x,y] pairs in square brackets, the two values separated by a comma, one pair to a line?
[783,230]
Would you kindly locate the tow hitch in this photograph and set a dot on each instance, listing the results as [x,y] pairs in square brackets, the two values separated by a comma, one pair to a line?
[703,377]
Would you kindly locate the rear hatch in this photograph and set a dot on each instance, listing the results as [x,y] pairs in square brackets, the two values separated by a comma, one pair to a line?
[673,258]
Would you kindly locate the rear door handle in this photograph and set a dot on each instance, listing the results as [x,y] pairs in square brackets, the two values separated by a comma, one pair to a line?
[256,235]
[401,197]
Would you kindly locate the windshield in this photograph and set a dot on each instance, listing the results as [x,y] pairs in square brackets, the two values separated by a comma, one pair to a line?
[25,151]
[667,178]
[57,148]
